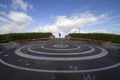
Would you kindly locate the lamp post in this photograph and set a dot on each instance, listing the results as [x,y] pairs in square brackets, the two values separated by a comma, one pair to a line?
[79,30]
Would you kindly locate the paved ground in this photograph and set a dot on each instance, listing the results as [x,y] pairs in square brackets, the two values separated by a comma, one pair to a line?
[60,59]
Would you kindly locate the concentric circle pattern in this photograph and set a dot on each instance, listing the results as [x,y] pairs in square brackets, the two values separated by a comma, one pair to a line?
[51,55]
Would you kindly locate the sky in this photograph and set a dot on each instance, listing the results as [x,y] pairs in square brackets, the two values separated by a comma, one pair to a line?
[60,16]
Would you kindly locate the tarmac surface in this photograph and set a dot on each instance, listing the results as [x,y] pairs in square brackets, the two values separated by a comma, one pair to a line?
[60,59]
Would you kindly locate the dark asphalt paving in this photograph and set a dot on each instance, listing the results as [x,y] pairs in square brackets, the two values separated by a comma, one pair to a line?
[2,48]
[60,59]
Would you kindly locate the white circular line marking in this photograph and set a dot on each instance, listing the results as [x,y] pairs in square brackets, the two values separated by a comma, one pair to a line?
[48,53]
[27,64]
[60,45]
[60,71]
[20,59]
[1,52]
[6,55]
[43,46]
[101,54]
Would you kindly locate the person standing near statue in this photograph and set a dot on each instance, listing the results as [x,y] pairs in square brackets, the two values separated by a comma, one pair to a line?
[59,35]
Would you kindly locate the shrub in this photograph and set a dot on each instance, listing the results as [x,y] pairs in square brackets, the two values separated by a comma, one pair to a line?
[97,36]
[21,36]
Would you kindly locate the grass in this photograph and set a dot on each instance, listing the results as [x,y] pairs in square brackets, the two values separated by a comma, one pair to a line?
[21,36]
[97,36]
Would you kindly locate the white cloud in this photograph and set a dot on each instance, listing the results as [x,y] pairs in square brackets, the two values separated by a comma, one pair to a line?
[19,17]
[14,22]
[65,24]
[2,13]
[21,4]
[3,6]
[101,31]
[96,31]
[75,30]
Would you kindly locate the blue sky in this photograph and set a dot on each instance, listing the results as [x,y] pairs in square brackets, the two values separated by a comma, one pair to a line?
[65,16]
